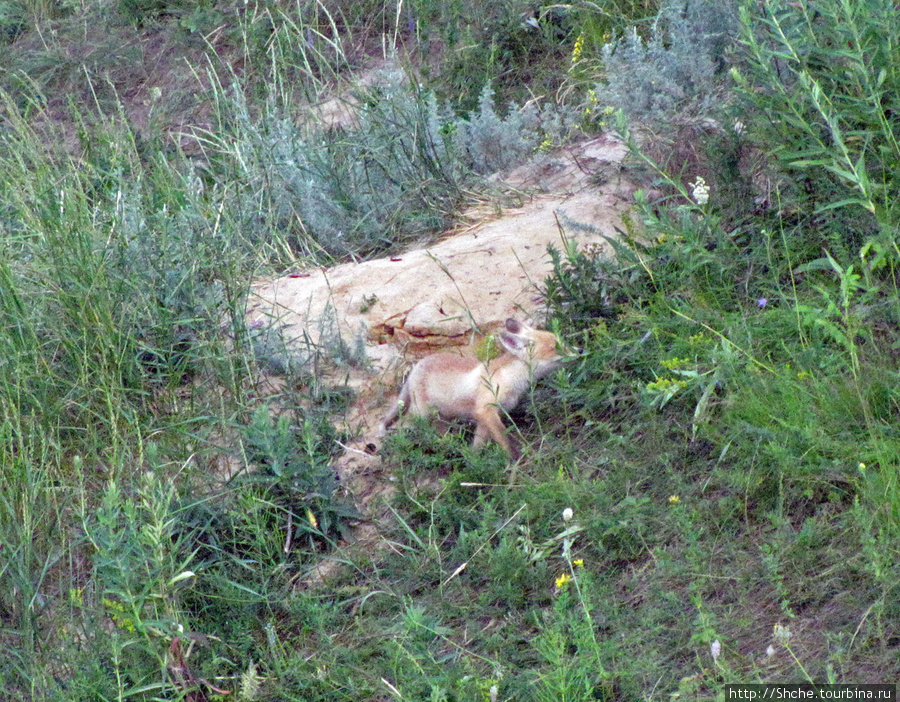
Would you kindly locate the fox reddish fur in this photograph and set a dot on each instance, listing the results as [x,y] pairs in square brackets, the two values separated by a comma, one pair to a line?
[455,387]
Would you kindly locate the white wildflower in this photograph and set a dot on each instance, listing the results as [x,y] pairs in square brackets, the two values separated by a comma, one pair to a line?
[700,191]
[567,514]
[782,634]
[715,650]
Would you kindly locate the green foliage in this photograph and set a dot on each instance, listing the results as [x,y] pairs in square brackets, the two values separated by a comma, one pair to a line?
[123,283]
[29,526]
[517,46]
[115,285]
[140,570]
[830,73]
[776,374]
[678,69]
[463,473]
[295,475]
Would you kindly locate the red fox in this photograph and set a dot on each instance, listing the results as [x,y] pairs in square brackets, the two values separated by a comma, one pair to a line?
[455,387]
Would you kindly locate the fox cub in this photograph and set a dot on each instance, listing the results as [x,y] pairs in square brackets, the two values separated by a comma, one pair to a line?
[455,387]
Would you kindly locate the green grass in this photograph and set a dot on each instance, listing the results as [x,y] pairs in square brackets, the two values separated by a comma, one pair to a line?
[710,494]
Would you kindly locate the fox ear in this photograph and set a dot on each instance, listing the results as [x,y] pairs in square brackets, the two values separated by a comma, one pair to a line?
[513,326]
[512,342]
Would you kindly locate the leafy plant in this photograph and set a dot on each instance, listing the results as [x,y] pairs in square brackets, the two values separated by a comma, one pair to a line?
[677,70]
[293,468]
[516,46]
[831,73]
[141,571]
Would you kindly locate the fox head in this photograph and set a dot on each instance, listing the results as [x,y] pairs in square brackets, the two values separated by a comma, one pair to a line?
[537,348]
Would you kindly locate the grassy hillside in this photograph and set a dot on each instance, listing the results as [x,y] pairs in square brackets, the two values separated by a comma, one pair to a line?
[711,488]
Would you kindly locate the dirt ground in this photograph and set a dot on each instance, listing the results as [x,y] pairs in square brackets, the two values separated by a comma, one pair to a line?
[445,294]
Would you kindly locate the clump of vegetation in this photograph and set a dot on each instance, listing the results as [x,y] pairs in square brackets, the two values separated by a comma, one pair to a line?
[292,466]
[395,173]
[676,69]
[839,144]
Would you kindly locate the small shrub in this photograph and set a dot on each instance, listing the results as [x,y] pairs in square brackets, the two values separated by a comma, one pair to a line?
[140,573]
[331,194]
[588,286]
[678,70]
[488,143]
[396,175]
[294,473]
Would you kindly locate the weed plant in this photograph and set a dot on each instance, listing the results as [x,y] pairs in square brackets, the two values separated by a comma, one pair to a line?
[293,465]
[675,70]
[831,73]
[393,176]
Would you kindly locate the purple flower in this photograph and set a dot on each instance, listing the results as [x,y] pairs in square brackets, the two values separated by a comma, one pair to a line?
[762,302]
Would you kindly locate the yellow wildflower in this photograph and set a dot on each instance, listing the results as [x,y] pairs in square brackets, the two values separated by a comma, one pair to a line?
[666,385]
[674,362]
[576,51]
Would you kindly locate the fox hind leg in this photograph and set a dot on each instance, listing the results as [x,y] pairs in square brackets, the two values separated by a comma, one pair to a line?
[400,405]
[489,425]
